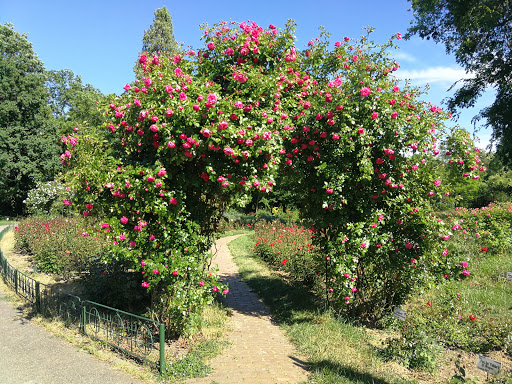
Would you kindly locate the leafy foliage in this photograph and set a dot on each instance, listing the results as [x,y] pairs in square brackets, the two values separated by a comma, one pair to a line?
[60,245]
[47,198]
[291,249]
[479,34]
[71,101]
[159,38]
[414,348]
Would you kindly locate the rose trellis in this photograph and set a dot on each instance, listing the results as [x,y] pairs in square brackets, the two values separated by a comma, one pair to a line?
[201,129]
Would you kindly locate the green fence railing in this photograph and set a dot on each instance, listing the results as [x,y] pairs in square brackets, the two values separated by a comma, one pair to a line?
[127,333]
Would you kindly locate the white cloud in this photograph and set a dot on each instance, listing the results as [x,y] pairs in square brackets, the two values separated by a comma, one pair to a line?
[443,75]
[402,56]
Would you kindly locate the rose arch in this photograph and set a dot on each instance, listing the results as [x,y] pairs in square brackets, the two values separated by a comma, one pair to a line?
[200,130]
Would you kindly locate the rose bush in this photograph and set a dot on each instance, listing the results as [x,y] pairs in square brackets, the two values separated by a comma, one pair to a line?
[200,130]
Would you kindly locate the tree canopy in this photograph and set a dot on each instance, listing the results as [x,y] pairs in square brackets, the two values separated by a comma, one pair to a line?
[479,34]
[28,146]
[71,101]
[159,38]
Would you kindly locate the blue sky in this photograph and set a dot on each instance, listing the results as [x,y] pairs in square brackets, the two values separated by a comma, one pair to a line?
[100,40]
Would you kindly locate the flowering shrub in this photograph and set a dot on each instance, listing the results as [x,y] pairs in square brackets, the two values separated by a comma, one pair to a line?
[59,245]
[457,321]
[47,198]
[365,153]
[488,227]
[290,248]
[201,130]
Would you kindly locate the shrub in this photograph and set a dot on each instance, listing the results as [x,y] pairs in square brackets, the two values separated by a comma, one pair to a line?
[414,348]
[47,199]
[59,245]
[290,248]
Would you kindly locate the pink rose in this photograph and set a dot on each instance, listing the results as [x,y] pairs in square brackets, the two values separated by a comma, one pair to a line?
[365,91]
[212,98]
[124,220]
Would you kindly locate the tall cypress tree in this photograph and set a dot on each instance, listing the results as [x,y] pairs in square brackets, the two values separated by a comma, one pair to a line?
[29,150]
[159,37]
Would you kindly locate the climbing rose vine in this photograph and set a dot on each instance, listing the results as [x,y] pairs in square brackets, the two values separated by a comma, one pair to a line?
[201,129]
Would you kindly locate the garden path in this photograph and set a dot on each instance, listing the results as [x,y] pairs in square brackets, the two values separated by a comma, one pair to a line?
[258,351]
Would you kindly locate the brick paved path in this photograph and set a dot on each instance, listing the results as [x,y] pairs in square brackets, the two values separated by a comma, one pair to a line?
[259,352]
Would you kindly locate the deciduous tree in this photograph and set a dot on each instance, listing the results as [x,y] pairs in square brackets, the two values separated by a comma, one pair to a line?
[28,142]
[479,34]
[71,101]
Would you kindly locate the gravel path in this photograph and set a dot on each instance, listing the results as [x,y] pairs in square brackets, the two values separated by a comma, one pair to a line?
[259,352]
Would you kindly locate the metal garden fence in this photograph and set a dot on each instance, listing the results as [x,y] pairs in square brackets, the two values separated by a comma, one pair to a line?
[137,336]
